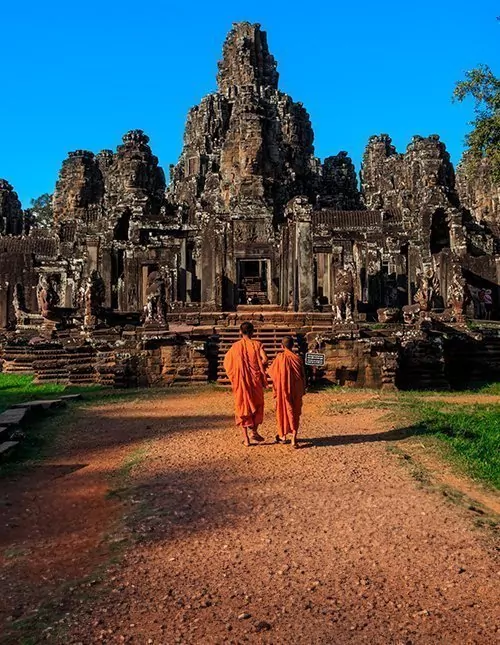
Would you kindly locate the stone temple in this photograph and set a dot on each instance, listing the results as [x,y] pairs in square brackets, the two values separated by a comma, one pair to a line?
[140,282]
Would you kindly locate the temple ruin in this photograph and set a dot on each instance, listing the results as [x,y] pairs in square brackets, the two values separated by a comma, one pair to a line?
[140,282]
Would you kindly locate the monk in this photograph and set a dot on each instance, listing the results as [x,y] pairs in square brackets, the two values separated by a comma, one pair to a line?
[245,364]
[289,386]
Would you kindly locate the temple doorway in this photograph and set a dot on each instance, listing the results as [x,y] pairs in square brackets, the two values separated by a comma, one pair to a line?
[440,232]
[252,278]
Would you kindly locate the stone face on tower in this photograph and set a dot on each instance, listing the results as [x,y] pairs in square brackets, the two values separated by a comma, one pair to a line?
[94,190]
[248,149]
[423,175]
[246,61]
[338,186]
[480,193]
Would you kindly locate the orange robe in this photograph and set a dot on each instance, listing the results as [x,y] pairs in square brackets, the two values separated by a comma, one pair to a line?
[245,366]
[287,373]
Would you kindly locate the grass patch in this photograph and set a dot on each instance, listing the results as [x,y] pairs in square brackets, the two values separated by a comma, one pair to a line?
[18,388]
[39,436]
[417,471]
[491,388]
[50,620]
[471,432]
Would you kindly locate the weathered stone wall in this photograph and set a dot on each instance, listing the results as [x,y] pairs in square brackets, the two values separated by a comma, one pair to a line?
[180,360]
[95,191]
[355,362]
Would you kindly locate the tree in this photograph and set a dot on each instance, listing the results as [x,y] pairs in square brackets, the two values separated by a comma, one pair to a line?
[483,142]
[40,214]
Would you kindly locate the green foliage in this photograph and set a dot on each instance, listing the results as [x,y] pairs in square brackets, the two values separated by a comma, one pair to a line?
[472,432]
[40,213]
[484,139]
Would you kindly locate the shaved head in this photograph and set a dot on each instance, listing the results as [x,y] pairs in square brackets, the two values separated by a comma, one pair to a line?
[287,342]
[246,329]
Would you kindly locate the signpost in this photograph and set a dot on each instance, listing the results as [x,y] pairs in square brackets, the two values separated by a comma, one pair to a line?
[315,360]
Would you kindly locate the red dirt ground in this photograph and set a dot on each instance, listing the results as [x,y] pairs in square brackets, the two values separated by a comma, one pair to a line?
[330,544]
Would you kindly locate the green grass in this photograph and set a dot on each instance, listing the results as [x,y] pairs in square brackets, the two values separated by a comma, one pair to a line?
[378,403]
[18,388]
[472,433]
[491,388]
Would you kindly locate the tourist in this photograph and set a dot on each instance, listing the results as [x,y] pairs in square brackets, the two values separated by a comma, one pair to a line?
[488,303]
[287,373]
[245,364]
[481,300]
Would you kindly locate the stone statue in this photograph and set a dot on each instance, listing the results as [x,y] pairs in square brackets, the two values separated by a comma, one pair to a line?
[344,293]
[428,287]
[458,293]
[411,313]
[47,296]
[155,310]
[94,297]
[19,304]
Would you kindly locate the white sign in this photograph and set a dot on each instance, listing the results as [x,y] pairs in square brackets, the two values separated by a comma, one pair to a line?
[315,360]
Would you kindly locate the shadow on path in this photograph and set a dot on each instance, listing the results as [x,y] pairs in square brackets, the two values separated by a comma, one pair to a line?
[397,434]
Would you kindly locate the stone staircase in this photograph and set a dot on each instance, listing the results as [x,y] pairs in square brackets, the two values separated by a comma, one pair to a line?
[269,335]
[17,360]
[66,364]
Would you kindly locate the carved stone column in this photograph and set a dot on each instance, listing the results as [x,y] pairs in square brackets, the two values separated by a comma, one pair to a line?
[301,213]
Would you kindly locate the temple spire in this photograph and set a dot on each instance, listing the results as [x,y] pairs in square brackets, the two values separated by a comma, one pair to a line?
[246,60]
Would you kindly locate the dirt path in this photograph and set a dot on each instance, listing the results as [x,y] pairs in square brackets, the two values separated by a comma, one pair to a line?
[334,543]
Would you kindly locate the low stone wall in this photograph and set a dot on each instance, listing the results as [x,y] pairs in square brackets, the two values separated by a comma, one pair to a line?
[359,363]
[428,356]
[121,361]
[180,361]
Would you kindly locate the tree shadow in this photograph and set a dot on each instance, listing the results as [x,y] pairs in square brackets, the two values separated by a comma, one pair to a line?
[398,434]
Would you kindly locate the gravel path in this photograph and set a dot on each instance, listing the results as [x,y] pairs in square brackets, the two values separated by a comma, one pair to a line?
[330,544]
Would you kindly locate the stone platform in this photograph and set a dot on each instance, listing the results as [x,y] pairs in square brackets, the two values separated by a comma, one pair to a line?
[191,350]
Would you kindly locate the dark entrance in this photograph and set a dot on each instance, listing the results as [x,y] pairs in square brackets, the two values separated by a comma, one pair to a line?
[252,282]
[440,232]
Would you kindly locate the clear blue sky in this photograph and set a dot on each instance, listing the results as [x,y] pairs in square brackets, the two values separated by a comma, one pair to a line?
[80,74]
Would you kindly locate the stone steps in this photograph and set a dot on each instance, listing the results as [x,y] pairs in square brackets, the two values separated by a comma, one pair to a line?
[17,414]
[7,446]
[269,336]
[12,416]
[43,404]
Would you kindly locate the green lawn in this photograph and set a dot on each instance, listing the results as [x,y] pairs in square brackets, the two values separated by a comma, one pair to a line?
[17,388]
[472,433]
